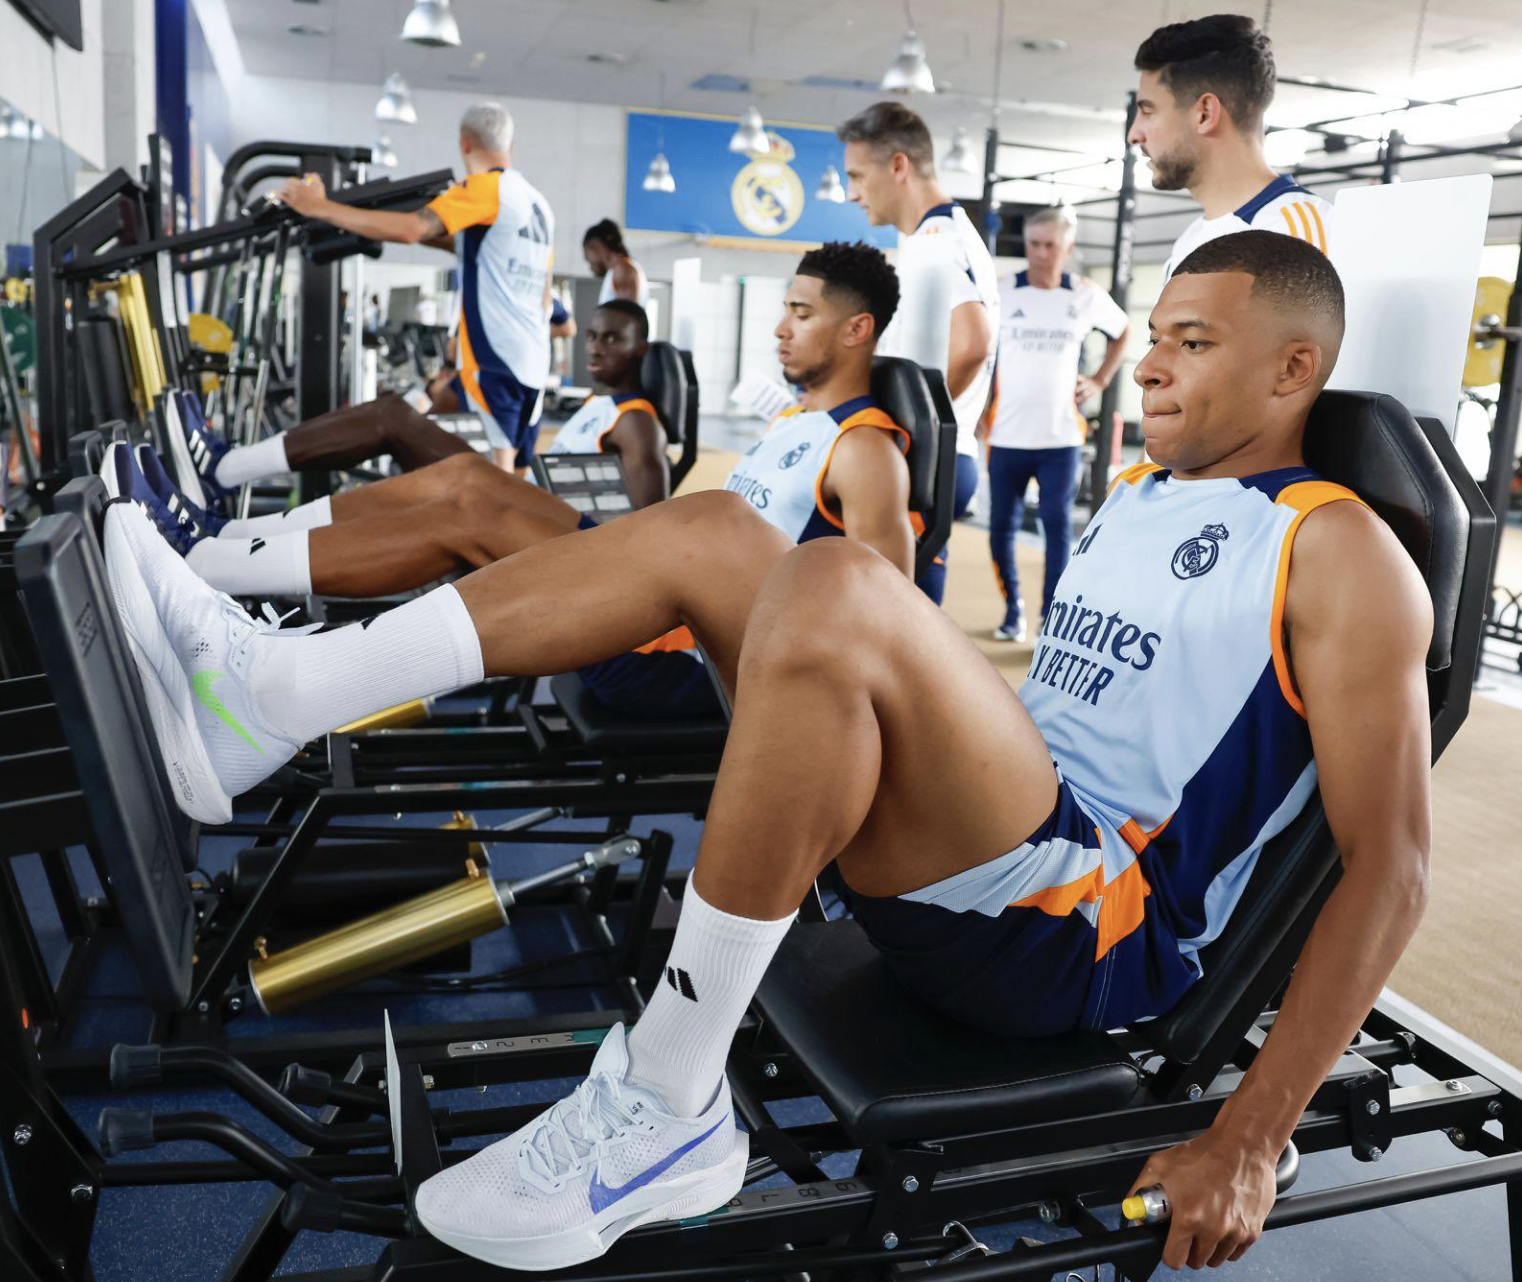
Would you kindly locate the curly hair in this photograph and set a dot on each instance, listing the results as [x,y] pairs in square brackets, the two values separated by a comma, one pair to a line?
[858,273]
[607,233]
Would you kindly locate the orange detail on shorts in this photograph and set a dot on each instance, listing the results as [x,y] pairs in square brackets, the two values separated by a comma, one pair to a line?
[472,203]
[1122,910]
[676,639]
[1121,903]
[869,417]
[1305,497]
[1137,837]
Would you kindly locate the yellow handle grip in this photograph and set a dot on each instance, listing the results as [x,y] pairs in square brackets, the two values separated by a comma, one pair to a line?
[1133,1208]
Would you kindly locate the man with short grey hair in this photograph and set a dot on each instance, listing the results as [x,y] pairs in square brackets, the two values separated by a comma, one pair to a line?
[503,231]
[1036,430]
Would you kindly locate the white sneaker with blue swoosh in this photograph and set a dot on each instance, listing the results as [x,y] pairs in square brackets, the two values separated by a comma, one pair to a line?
[602,1161]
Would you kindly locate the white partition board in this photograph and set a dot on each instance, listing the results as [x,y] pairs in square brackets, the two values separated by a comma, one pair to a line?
[1409,256]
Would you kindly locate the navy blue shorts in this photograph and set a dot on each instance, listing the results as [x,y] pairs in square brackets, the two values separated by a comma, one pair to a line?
[510,414]
[963,947]
[667,685]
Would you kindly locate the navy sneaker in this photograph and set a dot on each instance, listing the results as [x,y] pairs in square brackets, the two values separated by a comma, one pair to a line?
[125,480]
[195,451]
[169,494]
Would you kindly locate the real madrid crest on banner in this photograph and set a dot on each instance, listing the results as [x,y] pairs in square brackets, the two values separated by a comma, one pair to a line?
[768,194]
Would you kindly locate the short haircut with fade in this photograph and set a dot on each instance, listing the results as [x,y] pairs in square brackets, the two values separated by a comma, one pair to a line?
[625,307]
[1224,54]
[489,124]
[1285,270]
[857,272]
[889,127]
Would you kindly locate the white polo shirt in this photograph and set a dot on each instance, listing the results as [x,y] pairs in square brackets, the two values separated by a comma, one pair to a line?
[1041,333]
[970,278]
[1283,206]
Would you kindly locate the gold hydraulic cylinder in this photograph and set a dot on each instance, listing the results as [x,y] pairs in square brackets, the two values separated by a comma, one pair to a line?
[383,942]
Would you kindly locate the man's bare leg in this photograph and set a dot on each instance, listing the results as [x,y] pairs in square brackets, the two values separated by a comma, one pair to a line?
[867,728]
[460,473]
[902,753]
[408,547]
[358,433]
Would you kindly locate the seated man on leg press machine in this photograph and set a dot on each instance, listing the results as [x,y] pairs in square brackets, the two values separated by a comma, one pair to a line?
[1187,715]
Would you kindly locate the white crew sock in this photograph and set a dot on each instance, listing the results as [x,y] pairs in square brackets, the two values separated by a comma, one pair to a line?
[278,566]
[309,516]
[679,1045]
[306,686]
[244,463]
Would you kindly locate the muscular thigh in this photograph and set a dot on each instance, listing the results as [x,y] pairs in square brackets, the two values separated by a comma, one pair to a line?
[965,775]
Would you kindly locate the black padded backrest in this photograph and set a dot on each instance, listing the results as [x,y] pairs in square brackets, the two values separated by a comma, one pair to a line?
[901,391]
[663,376]
[1371,444]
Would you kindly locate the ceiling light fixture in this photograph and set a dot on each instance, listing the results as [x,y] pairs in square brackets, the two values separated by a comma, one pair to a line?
[658,176]
[751,133]
[395,103]
[383,154]
[959,160]
[830,188]
[431,25]
[909,72]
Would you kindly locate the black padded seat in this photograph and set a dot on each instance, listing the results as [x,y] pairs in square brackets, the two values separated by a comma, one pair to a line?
[607,732]
[891,1069]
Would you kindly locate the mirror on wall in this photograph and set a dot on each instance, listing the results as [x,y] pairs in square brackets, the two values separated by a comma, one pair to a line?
[38,176]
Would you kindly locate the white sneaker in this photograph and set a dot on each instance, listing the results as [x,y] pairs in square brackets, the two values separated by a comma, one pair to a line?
[193,647]
[1004,632]
[602,1161]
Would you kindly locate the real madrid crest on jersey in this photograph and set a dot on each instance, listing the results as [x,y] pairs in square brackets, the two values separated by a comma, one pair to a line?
[794,456]
[767,194]
[1196,556]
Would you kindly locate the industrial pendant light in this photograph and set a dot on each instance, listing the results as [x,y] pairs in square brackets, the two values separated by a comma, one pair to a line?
[830,188]
[751,134]
[431,24]
[396,102]
[909,72]
[959,159]
[382,153]
[658,176]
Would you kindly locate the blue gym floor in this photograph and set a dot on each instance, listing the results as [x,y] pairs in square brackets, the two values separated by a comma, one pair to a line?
[189,1233]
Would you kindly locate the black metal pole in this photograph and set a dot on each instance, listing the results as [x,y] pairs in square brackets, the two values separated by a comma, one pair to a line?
[1389,156]
[317,358]
[990,177]
[1503,439]
[1120,291]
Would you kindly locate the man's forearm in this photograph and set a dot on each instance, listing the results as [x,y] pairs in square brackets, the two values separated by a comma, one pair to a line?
[381,224]
[1358,937]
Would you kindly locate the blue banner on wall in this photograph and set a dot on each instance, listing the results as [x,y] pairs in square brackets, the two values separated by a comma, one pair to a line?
[749,195]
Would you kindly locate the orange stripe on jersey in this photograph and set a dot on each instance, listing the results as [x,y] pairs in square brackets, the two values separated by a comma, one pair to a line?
[476,202]
[1131,475]
[469,368]
[1305,497]
[638,403]
[676,639]
[1301,210]
[1320,227]
[1137,837]
[869,417]
[1289,222]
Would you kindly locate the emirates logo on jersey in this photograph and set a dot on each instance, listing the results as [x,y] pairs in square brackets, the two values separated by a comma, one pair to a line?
[1198,555]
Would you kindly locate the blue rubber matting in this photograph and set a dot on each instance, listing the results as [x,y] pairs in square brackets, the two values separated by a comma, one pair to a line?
[190,1233]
